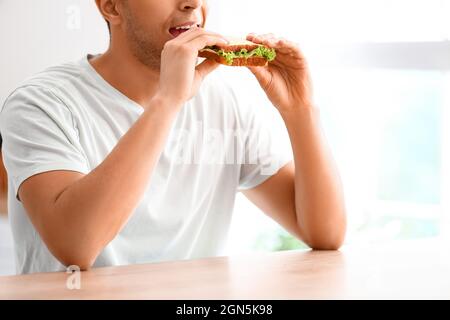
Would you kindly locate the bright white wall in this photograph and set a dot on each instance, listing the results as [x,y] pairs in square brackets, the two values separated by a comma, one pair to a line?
[38,34]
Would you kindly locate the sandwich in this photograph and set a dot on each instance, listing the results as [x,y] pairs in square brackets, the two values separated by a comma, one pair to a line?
[239,53]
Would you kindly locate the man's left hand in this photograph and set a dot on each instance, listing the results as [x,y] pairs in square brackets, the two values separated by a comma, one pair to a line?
[286,80]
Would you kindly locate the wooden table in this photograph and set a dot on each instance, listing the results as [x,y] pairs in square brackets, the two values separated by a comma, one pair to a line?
[408,271]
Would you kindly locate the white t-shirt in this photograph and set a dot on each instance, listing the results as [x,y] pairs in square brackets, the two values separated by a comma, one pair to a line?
[69,118]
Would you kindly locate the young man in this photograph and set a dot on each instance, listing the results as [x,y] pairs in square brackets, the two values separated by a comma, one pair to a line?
[93,177]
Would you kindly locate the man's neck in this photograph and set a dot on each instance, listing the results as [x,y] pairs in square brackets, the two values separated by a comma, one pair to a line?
[126,73]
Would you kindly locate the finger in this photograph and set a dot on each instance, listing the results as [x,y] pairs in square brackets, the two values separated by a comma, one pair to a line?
[272,42]
[194,33]
[206,67]
[282,45]
[288,44]
[267,36]
[267,41]
[263,75]
[295,51]
[250,36]
[203,41]
[261,36]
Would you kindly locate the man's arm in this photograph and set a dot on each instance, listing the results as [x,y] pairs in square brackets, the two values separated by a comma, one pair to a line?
[77,215]
[305,196]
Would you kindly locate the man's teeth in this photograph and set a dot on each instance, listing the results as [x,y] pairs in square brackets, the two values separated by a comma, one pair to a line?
[185,27]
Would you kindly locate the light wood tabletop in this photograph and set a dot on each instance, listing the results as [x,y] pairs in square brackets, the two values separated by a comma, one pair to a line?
[406,271]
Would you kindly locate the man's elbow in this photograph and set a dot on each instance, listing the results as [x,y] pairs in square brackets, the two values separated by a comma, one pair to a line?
[81,263]
[325,245]
[329,241]
[72,249]
[74,257]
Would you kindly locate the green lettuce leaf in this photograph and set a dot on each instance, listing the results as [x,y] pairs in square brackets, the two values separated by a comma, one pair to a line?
[268,53]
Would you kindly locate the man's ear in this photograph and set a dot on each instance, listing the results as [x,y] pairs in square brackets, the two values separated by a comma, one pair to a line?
[109,9]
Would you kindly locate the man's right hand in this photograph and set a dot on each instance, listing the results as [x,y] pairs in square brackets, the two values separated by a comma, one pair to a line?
[180,78]
[76,214]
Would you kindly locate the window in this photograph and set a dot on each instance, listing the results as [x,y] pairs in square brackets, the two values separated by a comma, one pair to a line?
[381,78]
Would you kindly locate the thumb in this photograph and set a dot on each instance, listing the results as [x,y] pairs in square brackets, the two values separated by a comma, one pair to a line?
[206,67]
[262,74]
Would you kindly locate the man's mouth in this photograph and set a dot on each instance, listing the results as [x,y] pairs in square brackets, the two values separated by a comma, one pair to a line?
[176,31]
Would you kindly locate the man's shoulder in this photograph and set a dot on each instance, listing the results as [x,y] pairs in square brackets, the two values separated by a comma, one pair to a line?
[46,84]
[55,76]
[43,93]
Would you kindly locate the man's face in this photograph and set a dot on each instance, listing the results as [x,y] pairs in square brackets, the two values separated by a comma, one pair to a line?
[149,24]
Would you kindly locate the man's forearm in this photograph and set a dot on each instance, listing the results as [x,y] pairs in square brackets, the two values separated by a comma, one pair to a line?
[99,204]
[319,197]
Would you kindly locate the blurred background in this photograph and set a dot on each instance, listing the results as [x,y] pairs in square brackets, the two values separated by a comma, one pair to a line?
[381,77]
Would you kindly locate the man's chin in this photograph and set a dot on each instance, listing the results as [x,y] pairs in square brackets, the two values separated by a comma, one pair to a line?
[150,58]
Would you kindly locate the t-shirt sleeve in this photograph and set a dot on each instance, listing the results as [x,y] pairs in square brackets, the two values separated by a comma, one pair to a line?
[267,147]
[39,135]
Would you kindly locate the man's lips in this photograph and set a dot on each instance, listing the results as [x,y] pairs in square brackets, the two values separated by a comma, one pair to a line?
[176,32]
